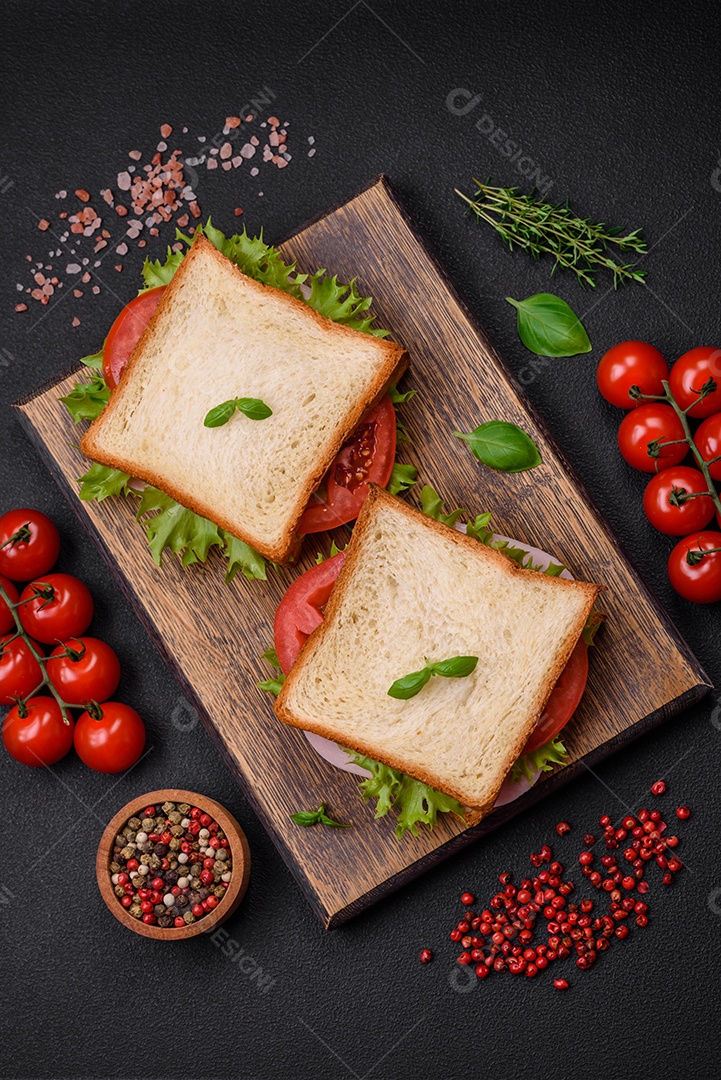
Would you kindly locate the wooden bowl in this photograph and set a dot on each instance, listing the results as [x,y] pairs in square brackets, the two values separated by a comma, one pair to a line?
[239,849]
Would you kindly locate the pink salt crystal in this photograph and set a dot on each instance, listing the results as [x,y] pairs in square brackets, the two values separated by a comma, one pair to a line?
[166,130]
[21,307]
[236,162]
[227,165]
[212,163]
[43,224]
[274,121]
[232,121]
[247,151]
[124,181]
[281,163]
[226,150]
[135,155]
[122,249]
[77,292]
[76,321]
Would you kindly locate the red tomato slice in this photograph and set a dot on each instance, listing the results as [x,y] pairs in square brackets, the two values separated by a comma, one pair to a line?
[125,333]
[301,611]
[564,699]
[366,458]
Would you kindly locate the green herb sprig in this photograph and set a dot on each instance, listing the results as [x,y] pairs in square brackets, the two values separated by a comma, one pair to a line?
[317,817]
[456,667]
[502,446]
[252,407]
[541,228]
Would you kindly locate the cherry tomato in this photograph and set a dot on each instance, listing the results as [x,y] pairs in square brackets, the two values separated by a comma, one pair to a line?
[708,440]
[652,425]
[113,743]
[20,673]
[301,609]
[89,675]
[41,737]
[7,622]
[664,506]
[699,579]
[564,699]
[67,612]
[690,374]
[366,458]
[125,333]
[29,544]
[631,363]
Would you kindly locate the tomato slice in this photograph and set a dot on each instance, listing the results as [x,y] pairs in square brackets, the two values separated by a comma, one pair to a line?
[301,611]
[125,333]
[367,458]
[564,698]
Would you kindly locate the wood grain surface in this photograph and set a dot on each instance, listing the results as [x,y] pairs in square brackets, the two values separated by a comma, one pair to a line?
[212,634]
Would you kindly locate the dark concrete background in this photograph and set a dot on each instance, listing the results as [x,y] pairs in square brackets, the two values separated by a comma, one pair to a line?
[619,106]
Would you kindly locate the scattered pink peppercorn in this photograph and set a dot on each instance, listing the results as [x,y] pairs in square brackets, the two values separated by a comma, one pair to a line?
[426,956]
[683,812]
[562,828]
[560,984]
[658,788]
[467,899]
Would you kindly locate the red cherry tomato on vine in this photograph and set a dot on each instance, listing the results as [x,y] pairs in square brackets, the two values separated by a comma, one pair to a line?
[652,424]
[666,507]
[41,737]
[708,440]
[62,608]
[690,374]
[29,544]
[693,575]
[113,743]
[7,622]
[125,333]
[90,673]
[20,672]
[631,363]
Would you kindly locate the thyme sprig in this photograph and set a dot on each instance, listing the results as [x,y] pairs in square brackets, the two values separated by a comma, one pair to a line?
[542,228]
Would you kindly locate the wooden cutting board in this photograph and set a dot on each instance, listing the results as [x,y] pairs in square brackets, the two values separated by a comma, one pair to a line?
[212,634]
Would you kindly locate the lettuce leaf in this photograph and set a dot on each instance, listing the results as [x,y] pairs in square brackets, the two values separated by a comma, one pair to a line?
[544,758]
[243,557]
[334,550]
[173,526]
[402,478]
[100,481]
[156,273]
[87,400]
[412,801]
[432,505]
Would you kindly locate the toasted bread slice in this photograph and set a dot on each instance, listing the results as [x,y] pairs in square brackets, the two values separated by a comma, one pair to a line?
[216,335]
[409,589]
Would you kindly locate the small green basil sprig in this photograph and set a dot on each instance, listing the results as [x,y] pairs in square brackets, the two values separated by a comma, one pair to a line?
[548,326]
[456,667]
[317,817]
[252,407]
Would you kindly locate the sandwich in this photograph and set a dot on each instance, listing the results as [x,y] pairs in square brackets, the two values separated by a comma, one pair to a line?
[428,652]
[241,403]
[219,337]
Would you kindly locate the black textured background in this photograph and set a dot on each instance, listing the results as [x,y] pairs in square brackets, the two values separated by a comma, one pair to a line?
[619,105]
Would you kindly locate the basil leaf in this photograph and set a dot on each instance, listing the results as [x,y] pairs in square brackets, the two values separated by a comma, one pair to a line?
[317,817]
[410,685]
[325,820]
[547,326]
[402,478]
[502,446]
[457,667]
[306,817]
[253,408]
[220,415]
